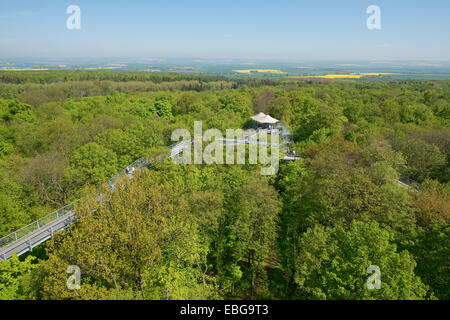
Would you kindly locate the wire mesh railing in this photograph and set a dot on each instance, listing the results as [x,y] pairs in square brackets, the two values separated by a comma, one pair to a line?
[36,225]
[64,211]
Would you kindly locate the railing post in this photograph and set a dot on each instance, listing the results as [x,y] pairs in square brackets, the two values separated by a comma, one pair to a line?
[29,245]
[57,215]
[15,235]
[37,223]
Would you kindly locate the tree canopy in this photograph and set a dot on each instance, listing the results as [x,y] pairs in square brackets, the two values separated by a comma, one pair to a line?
[371,188]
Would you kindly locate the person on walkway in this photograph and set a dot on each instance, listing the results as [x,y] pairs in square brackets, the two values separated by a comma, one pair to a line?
[130,172]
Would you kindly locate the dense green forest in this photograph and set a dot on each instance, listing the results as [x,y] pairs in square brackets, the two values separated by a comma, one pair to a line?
[225,231]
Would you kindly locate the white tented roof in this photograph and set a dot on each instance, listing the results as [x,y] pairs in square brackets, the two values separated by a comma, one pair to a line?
[264,118]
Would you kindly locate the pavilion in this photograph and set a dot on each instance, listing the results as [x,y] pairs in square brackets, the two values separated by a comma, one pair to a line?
[264,121]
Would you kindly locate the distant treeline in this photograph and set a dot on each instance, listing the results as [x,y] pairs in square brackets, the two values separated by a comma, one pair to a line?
[52,76]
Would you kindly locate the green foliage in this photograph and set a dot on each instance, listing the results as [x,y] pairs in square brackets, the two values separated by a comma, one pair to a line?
[11,273]
[236,102]
[15,110]
[423,159]
[129,247]
[221,231]
[176,283]
[5,148]
[163,108]
[431,252]
[340,189]
[332,263]
[93,163]
[251,231]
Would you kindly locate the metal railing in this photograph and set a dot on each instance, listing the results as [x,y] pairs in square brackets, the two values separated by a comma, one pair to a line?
[65,211]
[36,225]
[69,210]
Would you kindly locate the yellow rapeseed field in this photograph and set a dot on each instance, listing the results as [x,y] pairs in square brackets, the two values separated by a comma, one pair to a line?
[375,73]
[346,76]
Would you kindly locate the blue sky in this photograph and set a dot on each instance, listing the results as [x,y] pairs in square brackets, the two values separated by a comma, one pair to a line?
[249,29]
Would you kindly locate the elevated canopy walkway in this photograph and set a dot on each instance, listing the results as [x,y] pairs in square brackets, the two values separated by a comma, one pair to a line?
[32,235]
